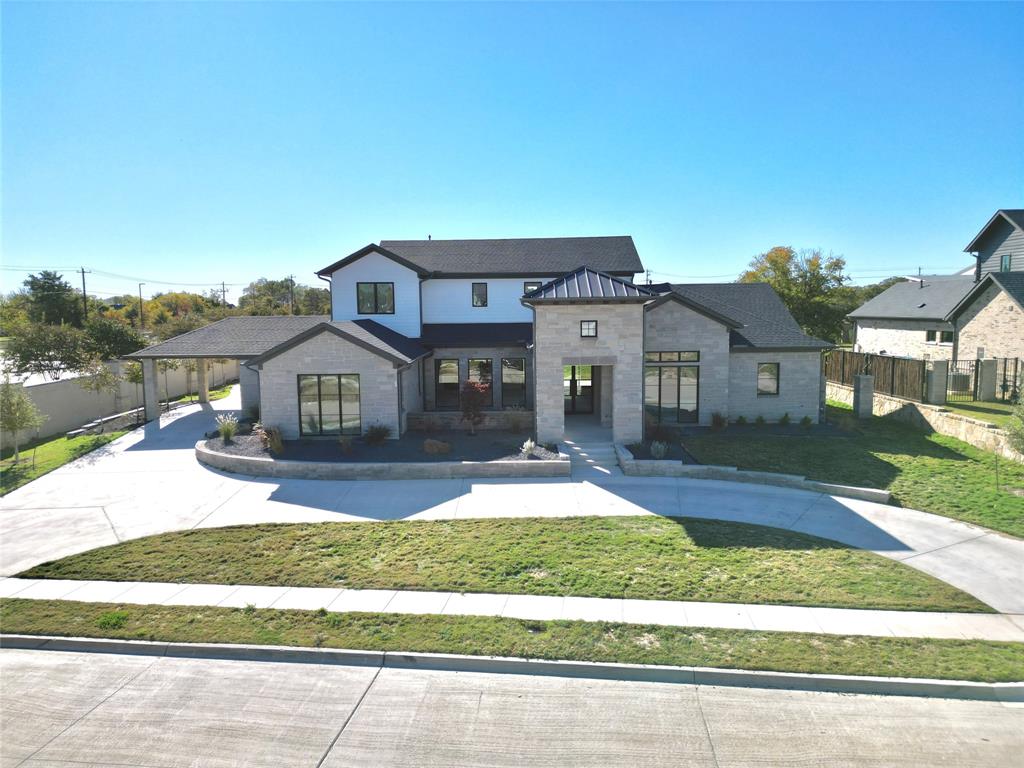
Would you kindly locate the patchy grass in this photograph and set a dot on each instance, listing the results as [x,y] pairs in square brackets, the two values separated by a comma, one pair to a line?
[999,414]
[488,636]
[931,472]
[642,557]
[215,394]
[50,454]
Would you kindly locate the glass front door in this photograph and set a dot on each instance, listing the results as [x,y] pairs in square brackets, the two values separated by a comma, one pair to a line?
[578,388]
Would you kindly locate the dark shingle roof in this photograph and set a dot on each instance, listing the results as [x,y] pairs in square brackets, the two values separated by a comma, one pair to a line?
[587,284]
[534,256]
[476,334]
[766,323]
[931,300]
[1011,282]
[251,337]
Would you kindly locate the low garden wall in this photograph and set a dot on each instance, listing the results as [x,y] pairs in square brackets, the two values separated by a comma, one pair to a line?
[424,470]
[933,418]
[666,468]
[431,421]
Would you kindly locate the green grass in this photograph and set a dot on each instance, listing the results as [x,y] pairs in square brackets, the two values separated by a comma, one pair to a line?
[931,472]
[643,557]
[487,636]
[50,454]
[999,414]
[215,394]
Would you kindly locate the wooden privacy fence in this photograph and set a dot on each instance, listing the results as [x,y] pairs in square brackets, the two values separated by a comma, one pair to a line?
[896,376]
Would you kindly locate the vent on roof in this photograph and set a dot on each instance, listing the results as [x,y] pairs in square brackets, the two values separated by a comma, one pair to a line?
[921,305]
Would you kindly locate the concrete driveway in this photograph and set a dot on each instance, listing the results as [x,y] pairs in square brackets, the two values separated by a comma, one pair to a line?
[63,709]
[150,482]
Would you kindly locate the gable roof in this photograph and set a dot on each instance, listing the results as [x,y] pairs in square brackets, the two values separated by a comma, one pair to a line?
[696,306]
[931,299]
[372,248]
[368,334]
[1011,282]
[530,257]
[766,323]
[585,285]
[1015,216]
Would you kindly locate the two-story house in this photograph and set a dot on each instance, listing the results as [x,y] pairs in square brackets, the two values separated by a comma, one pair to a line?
[555,327]
[975,315]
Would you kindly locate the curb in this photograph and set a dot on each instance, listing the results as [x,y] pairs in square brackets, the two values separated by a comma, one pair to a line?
[444,662]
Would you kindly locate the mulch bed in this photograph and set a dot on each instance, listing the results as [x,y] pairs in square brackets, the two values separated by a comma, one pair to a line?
[676,452]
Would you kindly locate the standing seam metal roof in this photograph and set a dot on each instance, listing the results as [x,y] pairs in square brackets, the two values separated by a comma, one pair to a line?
[588,283]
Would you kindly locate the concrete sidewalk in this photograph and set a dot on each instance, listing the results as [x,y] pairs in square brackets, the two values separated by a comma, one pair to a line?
[772,618]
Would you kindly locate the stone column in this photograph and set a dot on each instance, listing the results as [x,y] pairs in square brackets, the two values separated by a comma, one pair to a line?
[986,374]
[863,395]
[150,390]
[202,372]
[605,372]
[935,382]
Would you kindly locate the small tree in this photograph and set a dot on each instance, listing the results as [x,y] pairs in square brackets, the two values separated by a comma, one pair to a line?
[475,395]
[47,349]
[164,366]
[17,412]
[97,377]
[191,366]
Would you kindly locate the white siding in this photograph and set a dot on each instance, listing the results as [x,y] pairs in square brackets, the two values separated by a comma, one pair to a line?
[374,268]
[451,300]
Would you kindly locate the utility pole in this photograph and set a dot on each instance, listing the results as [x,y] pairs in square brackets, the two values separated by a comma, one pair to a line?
[291,294]
[85,299]
[142,319]
[223,294]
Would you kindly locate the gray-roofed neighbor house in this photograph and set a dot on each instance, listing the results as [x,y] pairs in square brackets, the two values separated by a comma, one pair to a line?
[928,298]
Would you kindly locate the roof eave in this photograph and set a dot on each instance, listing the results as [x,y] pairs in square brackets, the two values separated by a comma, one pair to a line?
[368,249]
[971,246]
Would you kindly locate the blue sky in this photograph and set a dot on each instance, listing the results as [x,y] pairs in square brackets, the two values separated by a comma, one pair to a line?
[206,142]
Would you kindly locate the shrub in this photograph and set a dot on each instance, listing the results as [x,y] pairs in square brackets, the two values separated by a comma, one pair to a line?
[528,446]
[1015,429]
[806,422]
[718,421]
[741,420]
[662,433]
[784,421]
[434,447]
[275,442]
[345,443]
[112,620]
[475,395]
[759,421]
[227,426]
[377,434]
[253,412]
[659,449]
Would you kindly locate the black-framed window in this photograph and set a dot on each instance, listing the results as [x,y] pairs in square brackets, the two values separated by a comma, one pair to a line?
[479,294]
[588,329]
[531,285]
[672,357]
[513,382]
[1004,262]
[929,336]
[446,384]
[946,337]
[941,337]
[375,298]
[329,404]
[481,371]
[767,379]
[672,393]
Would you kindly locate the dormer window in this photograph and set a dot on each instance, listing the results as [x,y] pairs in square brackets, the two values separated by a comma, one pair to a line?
[479,294]
[375,298]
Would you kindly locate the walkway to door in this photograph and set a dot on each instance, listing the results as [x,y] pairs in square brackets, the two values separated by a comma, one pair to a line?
[590,448]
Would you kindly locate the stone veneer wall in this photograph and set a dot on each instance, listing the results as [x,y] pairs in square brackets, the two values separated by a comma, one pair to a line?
[902,338]
[800,390]
[934,418]
[328,353]
[994,324]
[410,385]
[619,343]
[673,327]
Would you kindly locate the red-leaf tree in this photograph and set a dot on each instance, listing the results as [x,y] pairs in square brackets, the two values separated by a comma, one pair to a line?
[475,395]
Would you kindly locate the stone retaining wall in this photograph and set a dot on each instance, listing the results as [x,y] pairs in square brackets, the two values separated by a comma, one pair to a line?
[934,418]
[427,470]
[667,468]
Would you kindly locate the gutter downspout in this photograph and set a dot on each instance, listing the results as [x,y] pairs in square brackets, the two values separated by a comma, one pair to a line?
[330,282]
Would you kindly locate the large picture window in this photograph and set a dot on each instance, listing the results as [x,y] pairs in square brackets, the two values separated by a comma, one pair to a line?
[375,298]
[446,384]
[329,404]
[671,393]
[767,379]
[480,371]
[513,382]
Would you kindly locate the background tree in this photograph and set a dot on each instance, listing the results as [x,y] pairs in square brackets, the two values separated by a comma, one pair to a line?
[168,364]
[109,339]
[97,377]
[52,300]
[17,412]
[50,350]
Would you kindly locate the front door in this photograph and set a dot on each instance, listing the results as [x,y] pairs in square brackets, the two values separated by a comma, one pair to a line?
[578,388]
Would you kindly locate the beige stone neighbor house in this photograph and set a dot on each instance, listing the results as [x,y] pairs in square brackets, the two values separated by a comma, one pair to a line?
[556,327]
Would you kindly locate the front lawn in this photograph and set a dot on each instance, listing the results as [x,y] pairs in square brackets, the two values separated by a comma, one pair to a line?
[999,414]
[50,454]
[931,472]
[642,557]
[489,636]
[215,394]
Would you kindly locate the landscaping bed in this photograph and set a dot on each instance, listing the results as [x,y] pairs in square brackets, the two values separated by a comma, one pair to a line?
[642,557]
[983,661]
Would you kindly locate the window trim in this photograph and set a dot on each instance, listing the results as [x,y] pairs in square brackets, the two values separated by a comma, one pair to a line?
[1007,260]
[778,379]
[490,384]
[458,383]
[588,335]
[472,296]
[376,298]
[504,404]
[320,406]
[536,283]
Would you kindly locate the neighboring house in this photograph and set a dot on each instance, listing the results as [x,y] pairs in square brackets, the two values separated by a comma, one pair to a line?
[555,326]
[974,314]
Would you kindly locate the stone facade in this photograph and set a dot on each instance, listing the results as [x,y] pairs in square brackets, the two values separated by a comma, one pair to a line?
[902,338]
[674,327]
[619,344]
[410,386]
[464,355]
[328,353]
[800,379]
[992,326]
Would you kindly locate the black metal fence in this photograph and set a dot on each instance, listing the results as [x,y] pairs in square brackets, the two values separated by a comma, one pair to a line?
[1009,379]
[896,376]
[962,381]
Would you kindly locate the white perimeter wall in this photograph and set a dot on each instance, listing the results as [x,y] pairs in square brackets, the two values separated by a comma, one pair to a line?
[451,301]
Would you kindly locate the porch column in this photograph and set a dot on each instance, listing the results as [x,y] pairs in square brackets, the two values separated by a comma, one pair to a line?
[204,380]
[150,393]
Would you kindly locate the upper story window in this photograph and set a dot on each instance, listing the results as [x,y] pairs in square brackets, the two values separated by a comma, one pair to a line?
[1004,263]
[767,379]
[479,294]
[531,285]
[375,298]
[588,329]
